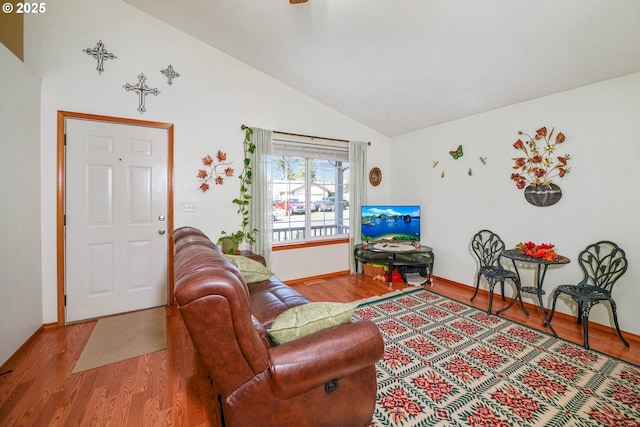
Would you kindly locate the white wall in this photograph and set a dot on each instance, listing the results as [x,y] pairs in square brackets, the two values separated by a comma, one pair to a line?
[216,94]
[213,96]
[20,286]
[600,198]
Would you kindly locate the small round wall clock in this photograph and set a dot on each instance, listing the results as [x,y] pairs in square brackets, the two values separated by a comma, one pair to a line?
[375,176]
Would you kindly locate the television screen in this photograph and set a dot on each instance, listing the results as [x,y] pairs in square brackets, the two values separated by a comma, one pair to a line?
[390,222]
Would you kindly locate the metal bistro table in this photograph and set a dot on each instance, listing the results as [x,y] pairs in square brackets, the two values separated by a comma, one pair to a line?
[515,255]
[395,254]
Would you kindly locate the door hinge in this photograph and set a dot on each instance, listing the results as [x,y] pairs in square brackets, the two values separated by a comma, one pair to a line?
[64,220]
[65,139]
[65,300]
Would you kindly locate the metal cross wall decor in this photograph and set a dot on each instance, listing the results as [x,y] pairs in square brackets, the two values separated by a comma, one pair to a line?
[170,73]
[101,54]
[142,90]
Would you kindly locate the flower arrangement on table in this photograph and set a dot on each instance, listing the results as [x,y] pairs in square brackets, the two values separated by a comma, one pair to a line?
[213,173]
[543,250]
[538,167]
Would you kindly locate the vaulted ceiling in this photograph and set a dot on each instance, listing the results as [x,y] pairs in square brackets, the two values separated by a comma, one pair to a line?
[403,65]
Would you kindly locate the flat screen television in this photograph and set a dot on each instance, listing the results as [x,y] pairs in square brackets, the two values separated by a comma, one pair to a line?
[390,222]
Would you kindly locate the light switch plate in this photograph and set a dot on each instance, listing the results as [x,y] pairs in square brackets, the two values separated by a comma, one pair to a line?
[188,206]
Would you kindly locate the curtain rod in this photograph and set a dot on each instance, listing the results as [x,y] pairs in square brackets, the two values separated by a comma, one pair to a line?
[244,127]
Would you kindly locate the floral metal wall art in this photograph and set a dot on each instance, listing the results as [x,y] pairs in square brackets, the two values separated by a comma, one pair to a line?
[214,174]
[540,164]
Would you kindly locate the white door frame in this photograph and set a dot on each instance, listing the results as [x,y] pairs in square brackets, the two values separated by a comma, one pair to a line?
[60,197]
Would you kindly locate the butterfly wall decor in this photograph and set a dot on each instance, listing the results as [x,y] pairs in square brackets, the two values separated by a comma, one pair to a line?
[483,160]
[457,153]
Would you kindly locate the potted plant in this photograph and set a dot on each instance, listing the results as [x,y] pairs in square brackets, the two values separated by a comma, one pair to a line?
[231,241]
[538,167]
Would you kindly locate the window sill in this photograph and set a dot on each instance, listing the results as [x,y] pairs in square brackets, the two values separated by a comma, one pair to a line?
[308,244]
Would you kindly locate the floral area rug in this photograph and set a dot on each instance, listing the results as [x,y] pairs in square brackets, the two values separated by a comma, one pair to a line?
[449,364]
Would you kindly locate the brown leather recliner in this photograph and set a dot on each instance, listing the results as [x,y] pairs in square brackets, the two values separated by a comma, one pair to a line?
[324,379]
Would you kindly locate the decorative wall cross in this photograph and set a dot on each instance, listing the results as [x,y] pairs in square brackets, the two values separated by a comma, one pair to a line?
[101,54]
[142,90]
[170,73]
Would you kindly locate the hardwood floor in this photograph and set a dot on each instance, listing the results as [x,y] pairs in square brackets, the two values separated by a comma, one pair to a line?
[169,387]
[165,388]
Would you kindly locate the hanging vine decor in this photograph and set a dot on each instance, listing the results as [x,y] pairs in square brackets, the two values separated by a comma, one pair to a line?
[245,233]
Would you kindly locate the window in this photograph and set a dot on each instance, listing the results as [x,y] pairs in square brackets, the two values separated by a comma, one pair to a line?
[310,189]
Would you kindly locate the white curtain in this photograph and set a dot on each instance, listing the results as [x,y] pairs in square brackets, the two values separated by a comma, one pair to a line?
[357,194]
[261,206]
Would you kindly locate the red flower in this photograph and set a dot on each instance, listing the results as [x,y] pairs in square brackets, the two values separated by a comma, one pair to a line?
[520,162]
[631,375]
[559,138]
[395,357]
[543,250]
[536,159]
[568,371]
[484,412]
[542,132]
[625,395]
[518,145]
[422,346]
[400,405]
[521,184]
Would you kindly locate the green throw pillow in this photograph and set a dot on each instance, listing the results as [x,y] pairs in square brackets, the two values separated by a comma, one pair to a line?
[252,271]
[309,318]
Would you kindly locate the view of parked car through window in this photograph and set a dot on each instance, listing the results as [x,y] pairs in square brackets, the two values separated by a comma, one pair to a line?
[304,192]
[290,207]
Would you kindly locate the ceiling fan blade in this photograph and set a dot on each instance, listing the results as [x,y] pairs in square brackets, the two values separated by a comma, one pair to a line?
[297,1]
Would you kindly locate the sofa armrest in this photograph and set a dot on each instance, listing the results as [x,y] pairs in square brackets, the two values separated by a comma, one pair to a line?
[314,360]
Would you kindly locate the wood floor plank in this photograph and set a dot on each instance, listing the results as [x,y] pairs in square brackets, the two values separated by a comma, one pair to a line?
[170,387]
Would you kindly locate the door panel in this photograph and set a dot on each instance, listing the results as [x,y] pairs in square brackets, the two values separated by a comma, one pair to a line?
[116,193]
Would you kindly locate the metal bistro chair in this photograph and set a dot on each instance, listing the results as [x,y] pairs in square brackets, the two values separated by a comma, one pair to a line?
[487,247]
[603,263]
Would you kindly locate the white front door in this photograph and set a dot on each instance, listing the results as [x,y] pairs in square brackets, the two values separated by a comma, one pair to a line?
[116,218]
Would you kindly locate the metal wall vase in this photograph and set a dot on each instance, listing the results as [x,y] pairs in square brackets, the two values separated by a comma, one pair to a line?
[542,195]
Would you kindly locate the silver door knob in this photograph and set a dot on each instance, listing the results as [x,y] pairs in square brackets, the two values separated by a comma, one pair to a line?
[162,231]
[161,218]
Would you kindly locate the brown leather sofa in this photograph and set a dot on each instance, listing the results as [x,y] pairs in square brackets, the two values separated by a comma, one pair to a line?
[324,379]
